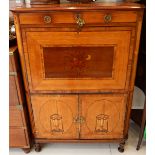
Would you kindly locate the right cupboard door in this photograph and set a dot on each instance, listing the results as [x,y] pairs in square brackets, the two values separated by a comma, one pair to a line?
[103,116]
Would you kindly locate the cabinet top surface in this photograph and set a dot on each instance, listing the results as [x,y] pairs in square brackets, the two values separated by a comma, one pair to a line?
[65,5]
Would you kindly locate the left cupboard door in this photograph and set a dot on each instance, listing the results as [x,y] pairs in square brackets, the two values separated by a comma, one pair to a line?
[55,116]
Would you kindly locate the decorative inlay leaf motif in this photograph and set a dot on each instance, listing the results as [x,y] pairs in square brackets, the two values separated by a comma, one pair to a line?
[77,61]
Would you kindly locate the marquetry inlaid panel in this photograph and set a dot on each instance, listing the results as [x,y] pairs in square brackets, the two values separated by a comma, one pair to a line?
[103,115]
[78,62]
[54,116]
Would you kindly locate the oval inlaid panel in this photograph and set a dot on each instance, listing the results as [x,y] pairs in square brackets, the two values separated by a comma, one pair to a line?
[53,118]
[104,115]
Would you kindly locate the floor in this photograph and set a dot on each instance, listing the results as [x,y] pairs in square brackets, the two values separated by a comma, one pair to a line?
[91,149]
[95,149]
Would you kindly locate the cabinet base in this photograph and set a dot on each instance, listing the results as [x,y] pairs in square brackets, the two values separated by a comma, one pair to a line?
[38,146]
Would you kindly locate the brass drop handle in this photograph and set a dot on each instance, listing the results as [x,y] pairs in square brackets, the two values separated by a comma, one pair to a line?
[80,21]
[47,19]
[107,18]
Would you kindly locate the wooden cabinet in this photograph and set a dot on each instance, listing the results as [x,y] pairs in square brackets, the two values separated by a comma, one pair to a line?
[18,121]
[79,69]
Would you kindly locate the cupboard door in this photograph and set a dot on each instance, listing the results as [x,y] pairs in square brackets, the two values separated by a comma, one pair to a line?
[103,116]
[54,116]
[71,61]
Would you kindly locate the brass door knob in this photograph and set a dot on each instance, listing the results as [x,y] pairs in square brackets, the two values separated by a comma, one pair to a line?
[47,19]
[107,18]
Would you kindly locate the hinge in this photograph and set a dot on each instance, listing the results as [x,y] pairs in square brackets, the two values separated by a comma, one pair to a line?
[19,107]
[12,73]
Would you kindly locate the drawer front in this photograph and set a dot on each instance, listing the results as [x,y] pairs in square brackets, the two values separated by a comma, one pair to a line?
[13,77]
[54,116]
[103,116]
[92,17]
[13,94]
[15,117]
[13,60]
[16,88]
[17,138]
[11,67]
[64,61]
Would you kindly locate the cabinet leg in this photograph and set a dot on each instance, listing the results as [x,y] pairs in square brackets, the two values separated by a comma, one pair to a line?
[121,146]
[26,150]
[37,147]
[126,138]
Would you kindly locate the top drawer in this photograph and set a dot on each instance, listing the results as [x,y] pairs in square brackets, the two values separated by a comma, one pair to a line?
[88,17]
[13,60]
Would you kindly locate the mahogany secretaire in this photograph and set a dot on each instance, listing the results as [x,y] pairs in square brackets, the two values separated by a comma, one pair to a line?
[79,64]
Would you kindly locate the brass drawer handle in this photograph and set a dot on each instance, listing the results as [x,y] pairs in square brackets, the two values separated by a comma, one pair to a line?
[80,21]
[12,73]
[47,19]
[107,18]
[19,107]
[10,53]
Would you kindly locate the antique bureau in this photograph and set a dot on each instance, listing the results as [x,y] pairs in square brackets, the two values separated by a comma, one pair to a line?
[18,121]
[79,63]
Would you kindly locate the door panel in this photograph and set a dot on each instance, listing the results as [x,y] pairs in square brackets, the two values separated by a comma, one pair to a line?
[76,61]
[103,116]
[54,116]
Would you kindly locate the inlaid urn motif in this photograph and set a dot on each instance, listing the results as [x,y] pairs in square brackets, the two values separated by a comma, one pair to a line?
[56,123]
[102,123]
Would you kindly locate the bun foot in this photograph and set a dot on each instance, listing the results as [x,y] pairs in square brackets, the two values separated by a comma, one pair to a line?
[26,150]
[138,147]
[120,149]
[121,146]
[37,147]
